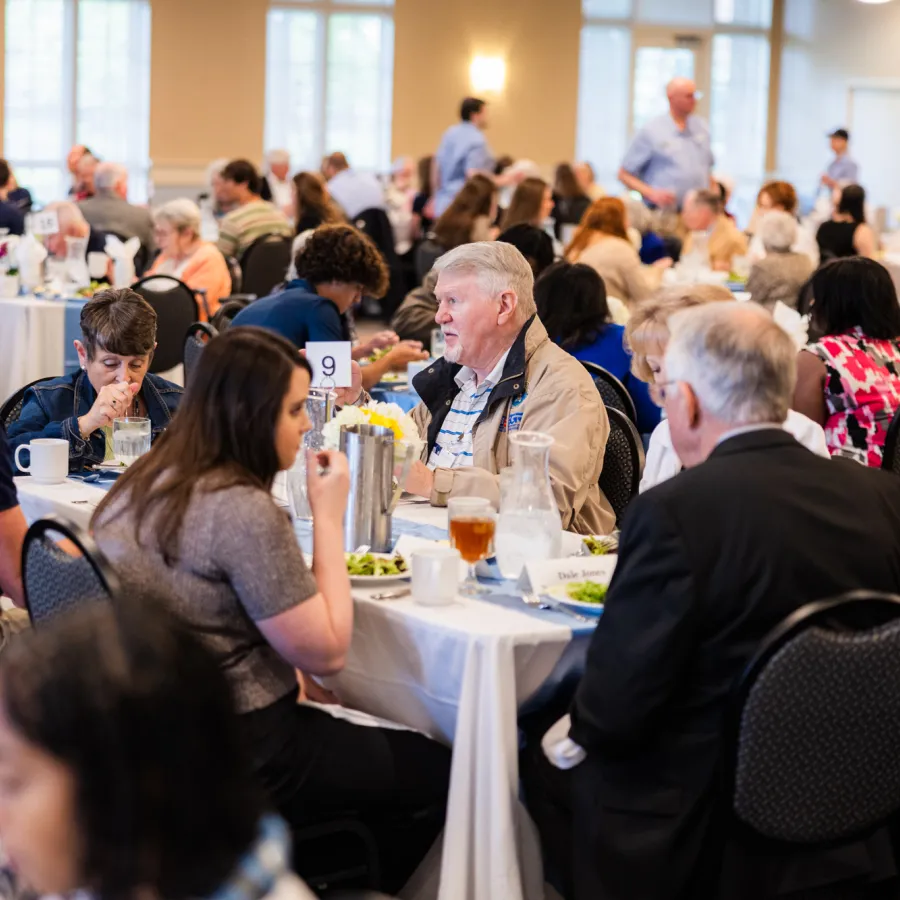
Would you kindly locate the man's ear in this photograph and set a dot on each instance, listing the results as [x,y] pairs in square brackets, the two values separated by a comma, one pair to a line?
[509,302]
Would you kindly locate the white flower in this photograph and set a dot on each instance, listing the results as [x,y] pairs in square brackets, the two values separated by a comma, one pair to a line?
[388,415]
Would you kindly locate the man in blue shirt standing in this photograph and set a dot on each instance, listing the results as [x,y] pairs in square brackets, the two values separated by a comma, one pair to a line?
[671,154]
[463,151]
[843,170]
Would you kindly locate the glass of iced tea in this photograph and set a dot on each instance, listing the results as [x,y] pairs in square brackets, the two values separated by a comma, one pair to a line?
[472,524]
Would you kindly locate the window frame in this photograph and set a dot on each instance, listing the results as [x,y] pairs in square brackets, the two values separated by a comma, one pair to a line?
[69,103]
[325,10]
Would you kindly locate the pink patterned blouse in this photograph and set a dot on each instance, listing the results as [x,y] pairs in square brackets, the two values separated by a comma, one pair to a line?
[862,393]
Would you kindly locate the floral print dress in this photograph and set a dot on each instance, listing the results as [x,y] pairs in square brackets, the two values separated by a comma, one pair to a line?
[862,393]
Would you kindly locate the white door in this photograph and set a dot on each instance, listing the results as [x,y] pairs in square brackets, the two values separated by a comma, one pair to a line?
[875,134]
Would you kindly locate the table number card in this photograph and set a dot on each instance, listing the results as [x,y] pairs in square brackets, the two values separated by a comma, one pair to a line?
[538,576]
[331,363]
[45,222]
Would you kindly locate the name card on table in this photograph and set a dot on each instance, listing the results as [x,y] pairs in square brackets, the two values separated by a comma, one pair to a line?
[538,576]
[331,363]
[45,222]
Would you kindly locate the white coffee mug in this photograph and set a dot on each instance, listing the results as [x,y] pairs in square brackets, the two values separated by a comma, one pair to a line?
[49,460]
[435,575]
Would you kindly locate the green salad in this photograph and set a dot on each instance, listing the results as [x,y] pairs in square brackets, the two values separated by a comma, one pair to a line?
[369,564]
[598,546]
[378,354]
[586,592]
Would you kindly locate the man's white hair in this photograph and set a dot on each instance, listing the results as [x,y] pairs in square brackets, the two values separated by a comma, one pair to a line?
[778,231]
[273,157]
[182,214]
[741,366]
[108,175]
[499,267]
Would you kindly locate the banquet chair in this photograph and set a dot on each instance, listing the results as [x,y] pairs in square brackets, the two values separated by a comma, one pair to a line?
[228,310]
[56,580]
[234,270]
[197,337]
[376,225]
[337,854]
[614,394]
[891,457]
[623,462]
[813,725]
[264,264]
[12,406]
[176,310]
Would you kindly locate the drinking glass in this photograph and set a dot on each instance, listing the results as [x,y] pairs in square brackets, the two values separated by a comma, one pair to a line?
[472,524]
[131,438]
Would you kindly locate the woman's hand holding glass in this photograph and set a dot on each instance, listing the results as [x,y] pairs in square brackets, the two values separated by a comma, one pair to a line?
[327,490]
[113,402]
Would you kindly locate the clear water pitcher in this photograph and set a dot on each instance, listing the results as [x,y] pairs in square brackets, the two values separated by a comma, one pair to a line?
[529,527]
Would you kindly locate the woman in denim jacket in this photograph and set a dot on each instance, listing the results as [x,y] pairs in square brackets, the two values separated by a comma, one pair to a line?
[118,329]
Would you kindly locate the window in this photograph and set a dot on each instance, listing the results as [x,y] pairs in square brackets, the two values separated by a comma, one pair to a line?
[329,81]
[605,67]
[77,72]
[739,113]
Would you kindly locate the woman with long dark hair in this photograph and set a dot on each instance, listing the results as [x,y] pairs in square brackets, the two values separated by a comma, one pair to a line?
[470,215]
[849,379]
[312,204]
[531,204]
[571,302]
[847,234]
[122,770]
[571,202]
[195,518]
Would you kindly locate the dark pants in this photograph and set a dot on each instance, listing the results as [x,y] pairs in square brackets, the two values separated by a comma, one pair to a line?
[317,768]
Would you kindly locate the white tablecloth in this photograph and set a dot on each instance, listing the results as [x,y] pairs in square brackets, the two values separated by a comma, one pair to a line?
[32,341]
[458,673]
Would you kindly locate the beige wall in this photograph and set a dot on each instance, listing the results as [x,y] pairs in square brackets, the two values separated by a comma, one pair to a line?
[208,78]
[436,39]
[207,84]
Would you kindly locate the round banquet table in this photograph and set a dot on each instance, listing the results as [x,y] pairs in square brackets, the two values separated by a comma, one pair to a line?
[36,340]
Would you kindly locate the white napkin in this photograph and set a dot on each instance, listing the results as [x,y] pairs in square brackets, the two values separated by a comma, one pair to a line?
[559,748]
[30,254]
[792,322]
[122,256]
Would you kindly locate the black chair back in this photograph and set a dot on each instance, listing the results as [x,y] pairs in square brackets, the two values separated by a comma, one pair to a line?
[376,225]
[55,580]
[623,462]
[614,394]
[197,337]
[141,258]
[228,310]
[264,264]
[891,458]
[234,270]
[428,253]
[341,854]
[12,407]
[814,725]
[176,310]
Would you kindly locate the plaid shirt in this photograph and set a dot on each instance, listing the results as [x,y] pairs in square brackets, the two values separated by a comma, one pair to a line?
[453,447]
[262,865]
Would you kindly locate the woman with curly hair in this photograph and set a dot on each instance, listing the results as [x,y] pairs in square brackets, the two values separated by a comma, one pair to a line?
[335,268]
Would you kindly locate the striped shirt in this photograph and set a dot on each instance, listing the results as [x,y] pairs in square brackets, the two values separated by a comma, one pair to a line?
[453,446]
[242,226]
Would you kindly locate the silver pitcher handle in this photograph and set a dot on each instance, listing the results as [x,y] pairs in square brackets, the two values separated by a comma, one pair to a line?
[404,472]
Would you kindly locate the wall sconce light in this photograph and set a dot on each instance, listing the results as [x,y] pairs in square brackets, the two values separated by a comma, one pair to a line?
[874,1]
[487,74]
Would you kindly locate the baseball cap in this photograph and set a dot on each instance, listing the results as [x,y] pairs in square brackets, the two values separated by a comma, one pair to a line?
[840,133]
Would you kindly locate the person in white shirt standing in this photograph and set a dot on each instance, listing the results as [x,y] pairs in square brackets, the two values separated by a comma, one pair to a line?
[276,182]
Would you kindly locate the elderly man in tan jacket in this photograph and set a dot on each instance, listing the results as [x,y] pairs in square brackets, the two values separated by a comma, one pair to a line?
[501,373]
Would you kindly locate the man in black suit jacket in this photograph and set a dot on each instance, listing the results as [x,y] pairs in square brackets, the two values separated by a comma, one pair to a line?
[709,562]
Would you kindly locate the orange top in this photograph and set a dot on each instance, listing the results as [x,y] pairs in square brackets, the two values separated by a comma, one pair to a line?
[205,270]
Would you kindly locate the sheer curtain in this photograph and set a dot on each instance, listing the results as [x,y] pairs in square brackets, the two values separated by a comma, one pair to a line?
[329,82]
[76,71]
